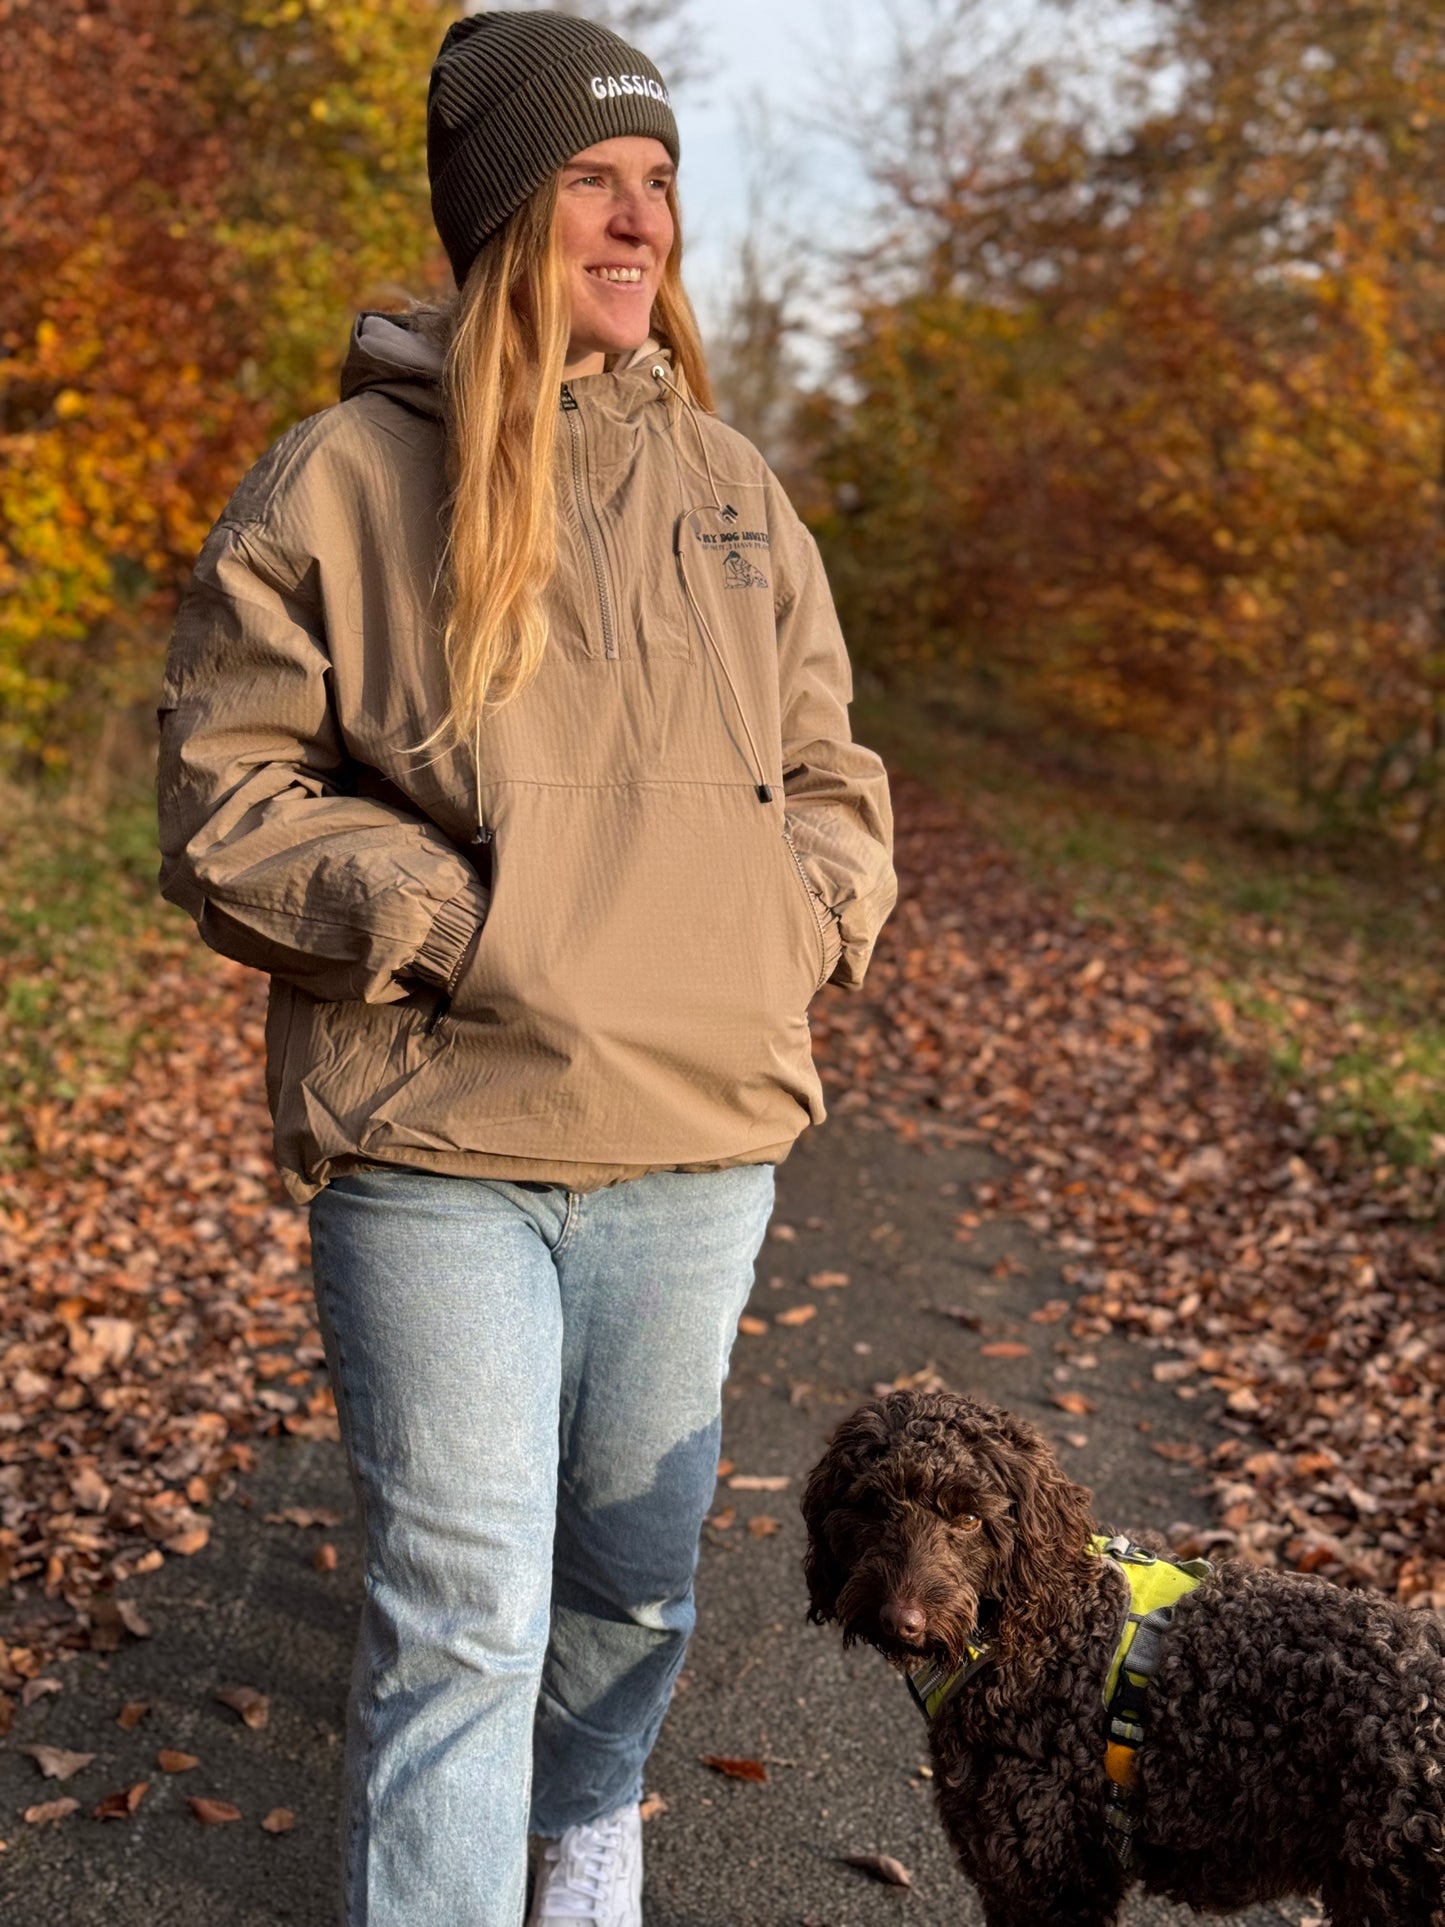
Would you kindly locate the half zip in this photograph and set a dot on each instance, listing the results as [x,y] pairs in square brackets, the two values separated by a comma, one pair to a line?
[587,514]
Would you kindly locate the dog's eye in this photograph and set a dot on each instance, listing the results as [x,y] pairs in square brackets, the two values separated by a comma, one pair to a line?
[968,1522]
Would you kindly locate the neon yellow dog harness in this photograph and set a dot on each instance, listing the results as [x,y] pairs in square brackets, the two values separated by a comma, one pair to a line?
[1156,1585]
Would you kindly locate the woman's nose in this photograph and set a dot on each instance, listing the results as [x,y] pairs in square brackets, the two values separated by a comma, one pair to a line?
[637,218]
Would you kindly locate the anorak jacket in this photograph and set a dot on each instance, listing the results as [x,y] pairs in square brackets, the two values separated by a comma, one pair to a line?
[667,841]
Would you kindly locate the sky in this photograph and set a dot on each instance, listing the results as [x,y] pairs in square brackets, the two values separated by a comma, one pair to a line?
[771,50]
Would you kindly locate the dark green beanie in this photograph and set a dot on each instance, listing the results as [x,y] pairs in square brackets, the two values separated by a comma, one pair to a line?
[515,95]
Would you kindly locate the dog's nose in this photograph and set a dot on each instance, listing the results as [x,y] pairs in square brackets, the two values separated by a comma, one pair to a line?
[904,1621]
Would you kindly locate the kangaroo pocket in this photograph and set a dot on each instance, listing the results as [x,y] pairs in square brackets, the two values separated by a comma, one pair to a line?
[639,993]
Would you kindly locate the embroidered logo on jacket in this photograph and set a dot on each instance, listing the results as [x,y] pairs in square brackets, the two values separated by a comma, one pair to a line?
[739,573]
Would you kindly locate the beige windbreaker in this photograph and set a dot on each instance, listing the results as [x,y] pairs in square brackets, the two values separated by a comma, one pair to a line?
[668,841]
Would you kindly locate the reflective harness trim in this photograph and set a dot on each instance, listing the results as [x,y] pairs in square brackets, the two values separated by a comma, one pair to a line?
[1156,1585]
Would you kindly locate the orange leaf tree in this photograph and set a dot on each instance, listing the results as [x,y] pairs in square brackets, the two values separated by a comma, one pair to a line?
[1153,443]
[194,193]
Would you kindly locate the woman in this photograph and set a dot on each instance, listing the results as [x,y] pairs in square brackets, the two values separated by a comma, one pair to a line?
[538,1025]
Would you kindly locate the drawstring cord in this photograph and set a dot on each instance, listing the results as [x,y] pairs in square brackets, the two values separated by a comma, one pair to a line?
[728,513]
[659,373]
[483,834]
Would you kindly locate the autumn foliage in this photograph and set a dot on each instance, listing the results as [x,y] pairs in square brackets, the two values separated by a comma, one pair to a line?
[1141,427]
[195,194]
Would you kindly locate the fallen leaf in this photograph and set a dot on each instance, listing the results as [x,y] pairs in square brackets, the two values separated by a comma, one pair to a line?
[724,1467]
[170,1762]
[55,1763]
[926,1379]
[653,1806]
[50,1811]
[763,1527]
[7,1714]
[282,1820]
[131,1714]
[795,1315]
[35,1689]
[324,1559]
[89,1490]
[754,1482]
[121,1805]
[735,1769]
[1179,1454]
[882,1866]
[130,1617]
[1074,1402]
[828,1280]
[212,1813]
[785,1233]
[1004,1348]
[253,1706]
[303,1516]
[723,1518]
[751,1327]
[960,1315]
[111,1617]
[195,1539]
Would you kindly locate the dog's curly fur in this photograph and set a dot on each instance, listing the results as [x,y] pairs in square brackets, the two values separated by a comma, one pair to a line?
[1296,1732]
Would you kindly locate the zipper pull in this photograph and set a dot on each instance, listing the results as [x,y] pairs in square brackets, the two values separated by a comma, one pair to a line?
[483,835]
[569,400]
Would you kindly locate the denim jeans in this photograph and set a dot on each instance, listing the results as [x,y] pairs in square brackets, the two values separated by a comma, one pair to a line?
[529,1384]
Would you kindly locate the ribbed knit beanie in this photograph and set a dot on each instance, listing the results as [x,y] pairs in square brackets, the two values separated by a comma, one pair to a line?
[515,95]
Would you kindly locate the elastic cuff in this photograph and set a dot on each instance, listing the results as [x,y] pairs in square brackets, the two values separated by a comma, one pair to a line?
[440,959]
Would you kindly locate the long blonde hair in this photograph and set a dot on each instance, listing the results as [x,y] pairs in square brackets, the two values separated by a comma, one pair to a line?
[505,333]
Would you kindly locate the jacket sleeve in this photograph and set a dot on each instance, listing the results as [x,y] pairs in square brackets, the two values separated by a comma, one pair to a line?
[264,839]
[837,808]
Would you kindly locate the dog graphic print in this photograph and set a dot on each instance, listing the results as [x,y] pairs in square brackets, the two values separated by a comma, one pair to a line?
[739,573]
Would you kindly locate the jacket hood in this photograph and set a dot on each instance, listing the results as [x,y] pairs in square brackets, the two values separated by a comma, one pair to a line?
[388,354]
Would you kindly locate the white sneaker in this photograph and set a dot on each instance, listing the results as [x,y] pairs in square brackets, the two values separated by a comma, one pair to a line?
[592,1873]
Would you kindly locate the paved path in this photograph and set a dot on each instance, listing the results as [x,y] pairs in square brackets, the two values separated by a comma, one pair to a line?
[842,1743]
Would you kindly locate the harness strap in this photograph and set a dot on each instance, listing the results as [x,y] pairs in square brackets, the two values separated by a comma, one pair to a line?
[1155,1585]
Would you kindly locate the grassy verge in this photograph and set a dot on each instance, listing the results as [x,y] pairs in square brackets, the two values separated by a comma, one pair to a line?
[1332,967]
[84,928]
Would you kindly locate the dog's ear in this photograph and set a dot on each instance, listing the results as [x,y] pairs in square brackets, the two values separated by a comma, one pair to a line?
[857,1440]
[1052,1521]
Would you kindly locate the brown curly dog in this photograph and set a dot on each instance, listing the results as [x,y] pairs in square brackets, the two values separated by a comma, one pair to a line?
[1294,1736]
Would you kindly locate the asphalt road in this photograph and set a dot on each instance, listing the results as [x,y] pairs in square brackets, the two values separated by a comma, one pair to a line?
[841,1742]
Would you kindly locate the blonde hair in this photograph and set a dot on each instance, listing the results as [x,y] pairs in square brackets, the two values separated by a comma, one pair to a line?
[505,335]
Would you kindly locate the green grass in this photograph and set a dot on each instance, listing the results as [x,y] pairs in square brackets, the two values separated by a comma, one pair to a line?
[84,927]
[1331,963]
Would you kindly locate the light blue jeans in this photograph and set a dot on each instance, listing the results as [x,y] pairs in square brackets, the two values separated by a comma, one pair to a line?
[529,1383]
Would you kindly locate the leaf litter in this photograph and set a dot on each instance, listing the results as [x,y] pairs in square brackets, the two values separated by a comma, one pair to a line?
[1201,1212]
[155,1318]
